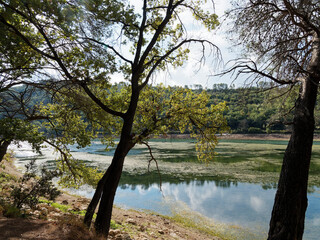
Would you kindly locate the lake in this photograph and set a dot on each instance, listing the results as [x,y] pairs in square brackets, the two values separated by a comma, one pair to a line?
[233,195]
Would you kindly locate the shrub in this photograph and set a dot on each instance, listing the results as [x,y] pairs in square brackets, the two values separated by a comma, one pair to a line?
[12,212]
[31,187]
[254,130]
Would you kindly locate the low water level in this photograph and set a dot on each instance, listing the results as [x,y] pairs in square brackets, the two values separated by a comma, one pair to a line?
[243,207]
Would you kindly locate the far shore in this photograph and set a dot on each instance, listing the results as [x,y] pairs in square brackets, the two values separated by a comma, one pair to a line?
[241,136]
[256,136]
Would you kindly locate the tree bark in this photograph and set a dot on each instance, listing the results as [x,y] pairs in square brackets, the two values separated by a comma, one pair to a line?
[3,149]
[95,200]
[107,186]
[288,214]
[102,223]
[106,189]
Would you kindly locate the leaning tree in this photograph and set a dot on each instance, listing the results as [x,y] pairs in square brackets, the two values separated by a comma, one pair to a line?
[82,43]
[283,36]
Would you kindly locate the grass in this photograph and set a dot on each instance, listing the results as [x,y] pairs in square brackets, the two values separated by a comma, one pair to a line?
[268,167]
[68,209]
[196,221]
[189,223]
[5,178]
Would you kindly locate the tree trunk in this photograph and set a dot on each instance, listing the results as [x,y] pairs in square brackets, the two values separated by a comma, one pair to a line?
[3,149]
[95,199]
[107,186]
[102,223]
[106,189]
[288,214]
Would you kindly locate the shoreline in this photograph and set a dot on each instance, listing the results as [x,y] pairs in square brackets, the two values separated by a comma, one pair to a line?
[132,224]
[241,136]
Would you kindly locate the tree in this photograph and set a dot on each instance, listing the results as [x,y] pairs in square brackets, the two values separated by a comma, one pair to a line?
[17,119]
[284,36]
[17,64]
[81,45]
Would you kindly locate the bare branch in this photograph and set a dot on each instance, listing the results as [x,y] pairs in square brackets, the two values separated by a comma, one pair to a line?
[243,66]
[152,159]
[65,159]
[158,60]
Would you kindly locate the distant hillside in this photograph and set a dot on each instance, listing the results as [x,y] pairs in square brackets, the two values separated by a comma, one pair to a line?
[251,109]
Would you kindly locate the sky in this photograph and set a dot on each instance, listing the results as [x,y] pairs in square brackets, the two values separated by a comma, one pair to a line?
[191,73]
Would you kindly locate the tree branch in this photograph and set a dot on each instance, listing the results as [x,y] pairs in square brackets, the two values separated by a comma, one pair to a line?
[108,46]
[154,160]
[98,101]
[153,41]
[65,159]
[168,53]
[245,68]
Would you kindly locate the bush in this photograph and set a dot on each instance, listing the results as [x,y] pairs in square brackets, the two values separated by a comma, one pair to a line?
[255,130]
[31,187]
[12,212]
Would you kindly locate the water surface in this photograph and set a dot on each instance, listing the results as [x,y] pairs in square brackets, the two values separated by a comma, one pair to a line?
[243,207]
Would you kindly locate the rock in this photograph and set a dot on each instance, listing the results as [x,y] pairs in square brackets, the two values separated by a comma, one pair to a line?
[44,210]
[65,202]
[114,232]
[142,228]
[40,205]
[57,210]
[124,236]
[131,221]
[161,231]
[75,208]
[36,212]
[172,234]
[55,214]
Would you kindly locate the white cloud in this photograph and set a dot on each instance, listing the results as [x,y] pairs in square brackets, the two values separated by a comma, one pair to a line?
[257,204]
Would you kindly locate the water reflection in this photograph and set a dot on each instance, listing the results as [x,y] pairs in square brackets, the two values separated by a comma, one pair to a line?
[235,203]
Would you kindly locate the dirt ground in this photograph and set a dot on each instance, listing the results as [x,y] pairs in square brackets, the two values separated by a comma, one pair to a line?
[131,224]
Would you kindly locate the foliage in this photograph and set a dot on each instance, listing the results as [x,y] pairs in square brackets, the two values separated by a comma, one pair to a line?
[11,211]
[31,187]
[162,110]
[257,109]
[77,173]
[19,115]
[81,44]
[20,130]
[156,39]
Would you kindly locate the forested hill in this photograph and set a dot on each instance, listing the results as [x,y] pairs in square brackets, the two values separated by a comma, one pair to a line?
[258,110]
[250,109]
